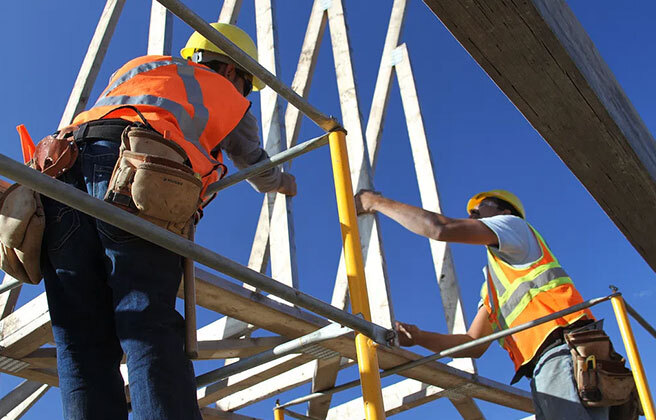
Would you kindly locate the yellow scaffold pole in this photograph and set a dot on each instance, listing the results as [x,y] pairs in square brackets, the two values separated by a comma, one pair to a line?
[365,348]
[634,357]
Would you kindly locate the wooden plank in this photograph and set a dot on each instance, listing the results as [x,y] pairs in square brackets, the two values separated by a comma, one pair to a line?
[361,175]
[160,31]
[230,11]
[301,84]
[236,347]
[209,394]
[210,413]
[384,81]
[399,397]
[26,329]
[44,376]
[44,357]
[14,405]
[430,200]
[319,408]
[282,246]
[77,101]
[8,299]
[540,56]
[305,68]
[325,376]
[233,300]
[266,389]
[278,384]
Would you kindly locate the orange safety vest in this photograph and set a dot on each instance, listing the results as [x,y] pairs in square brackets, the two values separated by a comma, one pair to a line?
[184,101]
[527,292]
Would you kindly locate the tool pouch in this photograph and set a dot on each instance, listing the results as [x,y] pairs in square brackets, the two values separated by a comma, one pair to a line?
[601,377]
[22,220]
[151,181]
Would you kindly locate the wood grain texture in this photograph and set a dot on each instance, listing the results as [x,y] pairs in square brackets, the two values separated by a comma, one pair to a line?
[540,56]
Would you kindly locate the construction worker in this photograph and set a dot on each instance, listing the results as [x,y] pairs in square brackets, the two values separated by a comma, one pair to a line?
[110,292]
[523,281]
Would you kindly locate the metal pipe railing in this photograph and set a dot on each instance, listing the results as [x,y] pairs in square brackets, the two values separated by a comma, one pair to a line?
[453,350]
[106,212]
[294,346]
[640,319]
[250,65]
[275,160]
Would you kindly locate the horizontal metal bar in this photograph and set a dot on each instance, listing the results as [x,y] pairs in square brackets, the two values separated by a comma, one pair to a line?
[9,284]
[269,163]
[294,346]
[252,66]
[106,212]
[640,319]
[492,337]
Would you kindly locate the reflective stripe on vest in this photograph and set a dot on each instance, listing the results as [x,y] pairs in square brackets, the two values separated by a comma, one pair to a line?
[192,128]
[516,294]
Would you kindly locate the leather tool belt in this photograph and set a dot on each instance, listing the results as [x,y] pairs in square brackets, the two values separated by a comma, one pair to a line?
[151,180]
[602,379]
[22,220]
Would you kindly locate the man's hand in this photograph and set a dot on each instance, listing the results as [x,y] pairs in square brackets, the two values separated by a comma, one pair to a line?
[408,334]
[365,201]
[64,131]
[287,184]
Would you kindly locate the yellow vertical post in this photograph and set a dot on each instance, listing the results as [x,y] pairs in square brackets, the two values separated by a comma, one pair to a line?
[278,414]
[365,348]
[634,357]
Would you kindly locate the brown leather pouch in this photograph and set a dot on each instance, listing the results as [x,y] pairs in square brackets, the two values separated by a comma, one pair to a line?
[151,181]
[22,220]
[602,379]
[54,156]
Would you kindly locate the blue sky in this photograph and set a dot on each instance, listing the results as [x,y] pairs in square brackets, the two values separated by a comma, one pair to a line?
[478,139]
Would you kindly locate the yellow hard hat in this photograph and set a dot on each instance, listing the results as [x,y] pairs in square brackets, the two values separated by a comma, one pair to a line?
[236,35]
[502,194]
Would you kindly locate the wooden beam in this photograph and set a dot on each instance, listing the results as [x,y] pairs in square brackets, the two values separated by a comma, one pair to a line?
[20,399]
[430,200]
[399,397]
[378,290]
[44,376]
[540,56]
[26,329]
[8,299]
[92,61]
[230,11]
[210,413]
[160,32]
[273,386]
[233,300]
[235,383]
[282,246]
[236,347]
[278,384]
[325,376]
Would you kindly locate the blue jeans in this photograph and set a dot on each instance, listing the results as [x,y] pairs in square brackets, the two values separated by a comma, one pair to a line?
[554,390]
[110,292]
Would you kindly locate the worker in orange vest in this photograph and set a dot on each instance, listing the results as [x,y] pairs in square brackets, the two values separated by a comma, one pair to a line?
[110,292]
[523,281]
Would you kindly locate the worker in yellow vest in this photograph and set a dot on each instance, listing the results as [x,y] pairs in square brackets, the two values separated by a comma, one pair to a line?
[523,281]
[109,292]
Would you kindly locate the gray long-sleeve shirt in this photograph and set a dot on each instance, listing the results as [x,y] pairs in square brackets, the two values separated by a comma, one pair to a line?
[243,148]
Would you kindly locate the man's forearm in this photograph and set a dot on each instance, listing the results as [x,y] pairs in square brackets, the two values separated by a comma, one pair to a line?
[415,219]
[439,342]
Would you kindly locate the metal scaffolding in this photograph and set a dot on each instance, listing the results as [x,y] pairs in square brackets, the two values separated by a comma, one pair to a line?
[323,344]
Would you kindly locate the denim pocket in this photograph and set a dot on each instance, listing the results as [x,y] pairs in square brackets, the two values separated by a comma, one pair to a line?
[61,223]
[114,234]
